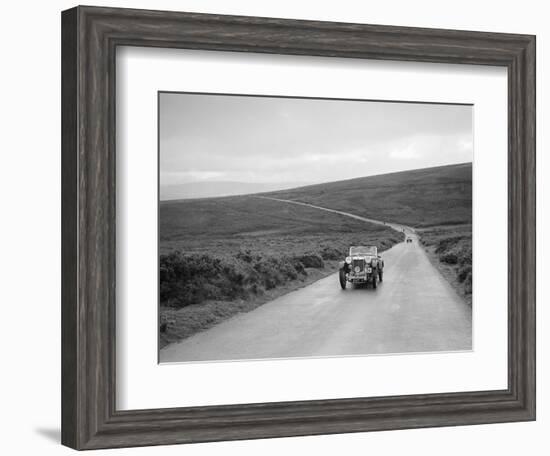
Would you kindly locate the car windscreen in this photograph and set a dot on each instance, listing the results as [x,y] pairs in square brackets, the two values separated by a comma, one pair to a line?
[362,250]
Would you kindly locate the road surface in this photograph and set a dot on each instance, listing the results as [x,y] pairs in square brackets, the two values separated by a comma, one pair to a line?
[413,310]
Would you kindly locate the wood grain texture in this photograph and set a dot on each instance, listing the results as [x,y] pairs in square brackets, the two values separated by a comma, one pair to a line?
[69,233]
[89,39]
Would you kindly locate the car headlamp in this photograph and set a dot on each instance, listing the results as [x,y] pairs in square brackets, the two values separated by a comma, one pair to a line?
[348,260]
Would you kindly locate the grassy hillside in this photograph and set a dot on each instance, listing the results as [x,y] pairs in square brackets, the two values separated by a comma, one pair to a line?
[232,224]
[220,256]
[424,197]
[452,247]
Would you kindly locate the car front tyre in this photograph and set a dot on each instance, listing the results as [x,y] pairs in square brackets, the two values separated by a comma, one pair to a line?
[342,277]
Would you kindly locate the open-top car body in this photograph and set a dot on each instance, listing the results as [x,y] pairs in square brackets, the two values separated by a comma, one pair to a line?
[362,265]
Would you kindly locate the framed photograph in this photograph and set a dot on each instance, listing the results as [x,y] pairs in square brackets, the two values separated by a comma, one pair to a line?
[283,228]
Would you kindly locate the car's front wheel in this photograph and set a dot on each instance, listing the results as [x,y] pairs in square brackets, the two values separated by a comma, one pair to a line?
[342,277]
[380,276]
[374,284]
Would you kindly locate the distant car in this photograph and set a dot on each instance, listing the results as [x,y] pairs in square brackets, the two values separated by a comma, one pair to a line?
[363,265]
[409,239]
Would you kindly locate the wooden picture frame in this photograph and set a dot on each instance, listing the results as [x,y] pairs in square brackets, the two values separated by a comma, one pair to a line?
[90,36]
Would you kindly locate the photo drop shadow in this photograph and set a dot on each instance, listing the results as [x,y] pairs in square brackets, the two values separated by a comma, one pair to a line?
[51,434]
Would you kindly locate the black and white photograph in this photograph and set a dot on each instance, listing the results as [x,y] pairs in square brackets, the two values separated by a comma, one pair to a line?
[275,228]
[294,227]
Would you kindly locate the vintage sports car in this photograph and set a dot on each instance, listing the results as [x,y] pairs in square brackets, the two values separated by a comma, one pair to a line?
[363,265]
[409,239]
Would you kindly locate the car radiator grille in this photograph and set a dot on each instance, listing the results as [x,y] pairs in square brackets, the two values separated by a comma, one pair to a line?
[360,263]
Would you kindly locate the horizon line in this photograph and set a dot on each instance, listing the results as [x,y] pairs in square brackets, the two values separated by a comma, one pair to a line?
[301,186]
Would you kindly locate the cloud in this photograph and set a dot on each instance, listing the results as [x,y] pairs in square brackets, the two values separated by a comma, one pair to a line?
[169,178]
[405,153]
[262,139]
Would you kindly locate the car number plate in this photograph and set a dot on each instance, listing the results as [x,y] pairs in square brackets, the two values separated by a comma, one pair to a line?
[369,270]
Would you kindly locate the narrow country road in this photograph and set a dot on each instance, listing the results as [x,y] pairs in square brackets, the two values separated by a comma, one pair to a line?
[413,310]
[395,226]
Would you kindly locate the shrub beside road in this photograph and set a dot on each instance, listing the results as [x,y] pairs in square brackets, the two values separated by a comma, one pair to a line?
[452,246]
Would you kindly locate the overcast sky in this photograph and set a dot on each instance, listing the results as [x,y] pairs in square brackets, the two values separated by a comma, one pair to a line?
[285,140]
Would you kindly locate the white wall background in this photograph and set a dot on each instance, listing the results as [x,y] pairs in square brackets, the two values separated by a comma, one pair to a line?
[30,227]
